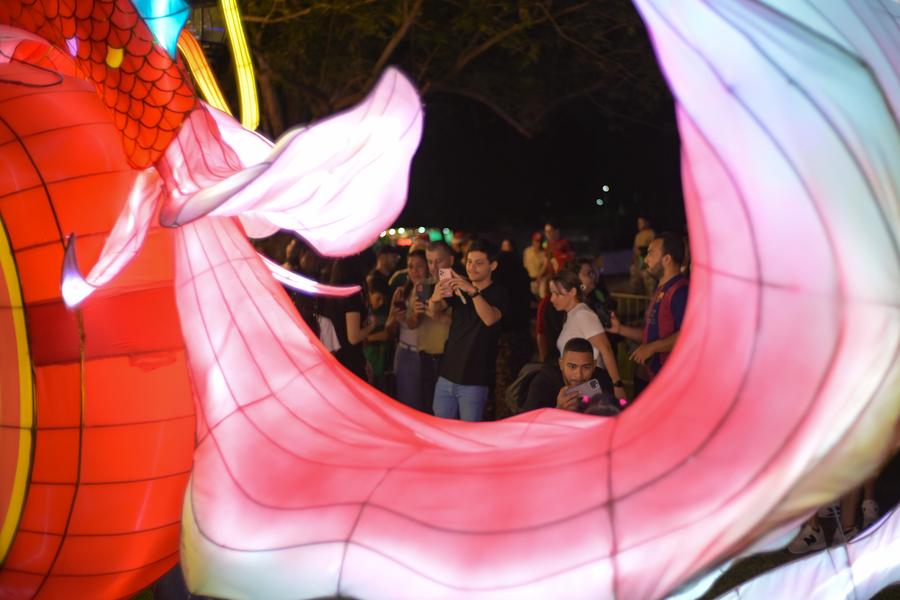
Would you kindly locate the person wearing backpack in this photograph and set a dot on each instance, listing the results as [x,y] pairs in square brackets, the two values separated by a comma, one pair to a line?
[550,385]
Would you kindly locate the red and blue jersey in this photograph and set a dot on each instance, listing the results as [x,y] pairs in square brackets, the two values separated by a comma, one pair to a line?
[664,316]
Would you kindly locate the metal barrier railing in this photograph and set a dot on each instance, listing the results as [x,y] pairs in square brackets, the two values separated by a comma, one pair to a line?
[630,308]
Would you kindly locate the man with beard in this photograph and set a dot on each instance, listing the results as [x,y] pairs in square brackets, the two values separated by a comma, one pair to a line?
[467,365]
[665,314]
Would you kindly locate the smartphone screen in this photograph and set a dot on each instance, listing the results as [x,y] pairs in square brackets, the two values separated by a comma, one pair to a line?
[422,293]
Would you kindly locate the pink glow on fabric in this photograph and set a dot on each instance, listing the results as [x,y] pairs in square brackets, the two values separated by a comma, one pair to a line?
[369,148]
[122,244]
[338,183]
[310,458]
[305,284]
[307,482]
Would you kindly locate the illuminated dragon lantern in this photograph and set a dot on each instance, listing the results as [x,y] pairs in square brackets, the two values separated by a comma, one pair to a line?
[184,399]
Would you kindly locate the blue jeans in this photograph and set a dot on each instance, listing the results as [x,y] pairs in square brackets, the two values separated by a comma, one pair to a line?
[408,377]
[455,401]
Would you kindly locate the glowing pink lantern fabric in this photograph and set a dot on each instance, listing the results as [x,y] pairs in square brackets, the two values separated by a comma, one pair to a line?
[319,182]
[859,569]
[781,393]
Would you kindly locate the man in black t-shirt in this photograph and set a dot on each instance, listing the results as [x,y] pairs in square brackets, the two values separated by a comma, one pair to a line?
[386,260]
[470,354]
[550,386]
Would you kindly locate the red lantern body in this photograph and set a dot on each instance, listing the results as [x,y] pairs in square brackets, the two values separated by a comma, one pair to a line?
[108,452]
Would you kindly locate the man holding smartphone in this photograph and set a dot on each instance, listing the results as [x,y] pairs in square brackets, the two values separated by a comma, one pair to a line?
[557,385]
[433,332]
[467,365]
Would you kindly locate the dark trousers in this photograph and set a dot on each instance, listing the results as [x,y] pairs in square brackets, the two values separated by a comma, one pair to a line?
[429,375]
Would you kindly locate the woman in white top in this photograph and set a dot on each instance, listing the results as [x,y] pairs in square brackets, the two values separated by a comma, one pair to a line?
[581,321]
[406,313]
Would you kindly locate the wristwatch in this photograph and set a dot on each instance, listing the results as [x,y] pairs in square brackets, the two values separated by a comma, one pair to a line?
[618,384]
[477,292]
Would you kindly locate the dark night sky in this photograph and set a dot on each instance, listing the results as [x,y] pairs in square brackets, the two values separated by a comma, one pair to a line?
[474,172]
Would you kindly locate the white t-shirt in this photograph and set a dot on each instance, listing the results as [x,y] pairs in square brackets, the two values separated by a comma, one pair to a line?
[581,322]
[327,334]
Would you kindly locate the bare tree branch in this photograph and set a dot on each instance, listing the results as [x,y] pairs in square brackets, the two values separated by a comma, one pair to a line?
[487,102]
[552,105]
[590,51]
[408,19]
[269,19]
[498,37]
[317,56]
[321,6]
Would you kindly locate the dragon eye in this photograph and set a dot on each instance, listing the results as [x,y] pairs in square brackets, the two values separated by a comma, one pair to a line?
[165,18]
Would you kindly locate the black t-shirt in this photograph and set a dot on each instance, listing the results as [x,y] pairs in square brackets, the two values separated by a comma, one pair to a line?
[511,274]
[553,325]
[546,384]
[470,353]
[350,355]
[378,280]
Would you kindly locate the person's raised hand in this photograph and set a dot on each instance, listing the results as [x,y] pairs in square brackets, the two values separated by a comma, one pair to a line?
[614,324]
[443,289]
[461,283]
[398,306]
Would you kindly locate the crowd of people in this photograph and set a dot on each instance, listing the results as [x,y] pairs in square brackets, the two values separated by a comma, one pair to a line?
[474,331]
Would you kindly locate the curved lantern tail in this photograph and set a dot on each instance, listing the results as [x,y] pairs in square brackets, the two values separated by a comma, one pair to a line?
[781,393]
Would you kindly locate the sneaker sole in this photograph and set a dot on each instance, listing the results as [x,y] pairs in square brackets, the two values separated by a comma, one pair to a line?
[817,546]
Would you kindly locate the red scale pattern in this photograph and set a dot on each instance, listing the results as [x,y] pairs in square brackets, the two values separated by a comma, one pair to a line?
[149,93]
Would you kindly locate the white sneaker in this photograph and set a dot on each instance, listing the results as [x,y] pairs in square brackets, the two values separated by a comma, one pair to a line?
[810,538]
[830,511]
[870,512]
